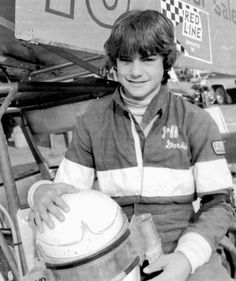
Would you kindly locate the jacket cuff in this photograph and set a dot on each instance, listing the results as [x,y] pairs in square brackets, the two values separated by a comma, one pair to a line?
[195,248]
[32,191]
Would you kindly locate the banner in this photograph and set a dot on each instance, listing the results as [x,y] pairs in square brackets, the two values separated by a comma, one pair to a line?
[205,29]
[192,29]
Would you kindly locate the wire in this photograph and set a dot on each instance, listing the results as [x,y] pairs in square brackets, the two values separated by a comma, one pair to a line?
[8,254]
[15,241]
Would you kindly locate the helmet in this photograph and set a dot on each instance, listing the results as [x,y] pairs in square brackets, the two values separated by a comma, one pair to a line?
[92,243]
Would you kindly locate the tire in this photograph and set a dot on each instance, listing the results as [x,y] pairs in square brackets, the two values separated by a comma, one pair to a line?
[220,95]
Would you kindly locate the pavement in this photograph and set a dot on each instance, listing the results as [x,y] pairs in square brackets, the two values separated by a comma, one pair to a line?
[23,163]
[19,156]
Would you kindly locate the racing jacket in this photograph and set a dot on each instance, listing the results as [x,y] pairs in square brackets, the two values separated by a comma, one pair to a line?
[157,167]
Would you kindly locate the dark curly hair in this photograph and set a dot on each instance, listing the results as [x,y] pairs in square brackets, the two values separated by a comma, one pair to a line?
[143,32]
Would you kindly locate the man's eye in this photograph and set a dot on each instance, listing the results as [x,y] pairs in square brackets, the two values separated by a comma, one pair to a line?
[147,59]
[125,59]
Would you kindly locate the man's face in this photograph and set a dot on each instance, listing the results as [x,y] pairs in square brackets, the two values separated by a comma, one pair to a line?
[140,77]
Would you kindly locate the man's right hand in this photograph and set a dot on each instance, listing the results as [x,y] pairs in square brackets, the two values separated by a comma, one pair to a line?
[47,200]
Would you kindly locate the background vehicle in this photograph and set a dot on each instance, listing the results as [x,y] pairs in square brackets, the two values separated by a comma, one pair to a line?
[221,88]
[180,85]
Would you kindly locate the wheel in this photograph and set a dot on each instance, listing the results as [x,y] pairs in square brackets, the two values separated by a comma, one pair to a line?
[220,95]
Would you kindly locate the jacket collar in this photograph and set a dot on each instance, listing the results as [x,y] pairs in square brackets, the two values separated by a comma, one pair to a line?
[156,107]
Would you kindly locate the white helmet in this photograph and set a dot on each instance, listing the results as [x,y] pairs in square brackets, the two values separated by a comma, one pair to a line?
[92,243]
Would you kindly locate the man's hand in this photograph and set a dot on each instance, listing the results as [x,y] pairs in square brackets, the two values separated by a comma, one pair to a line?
[47,199]
[175,267]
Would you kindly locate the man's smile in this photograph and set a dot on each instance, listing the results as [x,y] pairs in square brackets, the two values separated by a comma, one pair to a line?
[136,82]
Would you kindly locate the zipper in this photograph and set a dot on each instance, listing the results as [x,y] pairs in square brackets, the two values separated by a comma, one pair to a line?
[138,151]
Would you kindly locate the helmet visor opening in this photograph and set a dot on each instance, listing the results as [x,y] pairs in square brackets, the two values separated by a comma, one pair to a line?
[113,266]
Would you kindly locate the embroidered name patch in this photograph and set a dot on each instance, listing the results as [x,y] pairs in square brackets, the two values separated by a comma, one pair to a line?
[218,147]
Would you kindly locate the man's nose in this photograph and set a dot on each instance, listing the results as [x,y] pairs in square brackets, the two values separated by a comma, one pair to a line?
[136,68]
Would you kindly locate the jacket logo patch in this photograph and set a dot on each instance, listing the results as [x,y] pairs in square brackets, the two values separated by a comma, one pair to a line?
[171,133]
[218,147]
[170,144]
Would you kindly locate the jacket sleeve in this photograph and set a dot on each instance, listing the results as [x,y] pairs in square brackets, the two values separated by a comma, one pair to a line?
[214,186]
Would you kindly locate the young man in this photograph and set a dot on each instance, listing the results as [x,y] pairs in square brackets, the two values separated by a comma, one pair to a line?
[151,151]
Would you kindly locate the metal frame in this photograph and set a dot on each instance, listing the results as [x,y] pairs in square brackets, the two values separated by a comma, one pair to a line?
[11,89]
[7,173]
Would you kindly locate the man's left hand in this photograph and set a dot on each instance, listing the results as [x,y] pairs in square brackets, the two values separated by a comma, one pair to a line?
[175,267]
